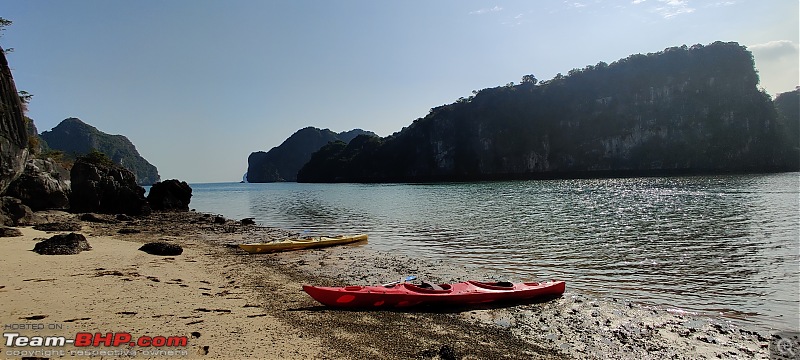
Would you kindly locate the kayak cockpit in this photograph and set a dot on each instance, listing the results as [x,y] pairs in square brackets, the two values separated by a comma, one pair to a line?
[501,285]
[429,288]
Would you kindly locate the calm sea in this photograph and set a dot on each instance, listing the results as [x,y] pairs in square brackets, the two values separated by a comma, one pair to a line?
[715,245]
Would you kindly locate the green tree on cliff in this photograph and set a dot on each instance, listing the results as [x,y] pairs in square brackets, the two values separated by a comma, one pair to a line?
[4,23]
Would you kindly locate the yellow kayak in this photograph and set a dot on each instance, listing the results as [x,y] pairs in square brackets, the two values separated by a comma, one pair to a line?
[298,244]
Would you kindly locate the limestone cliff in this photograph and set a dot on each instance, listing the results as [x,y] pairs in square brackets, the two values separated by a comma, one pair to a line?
[683,110]
[788,106]
[13,135]
[282,162]
[75,138]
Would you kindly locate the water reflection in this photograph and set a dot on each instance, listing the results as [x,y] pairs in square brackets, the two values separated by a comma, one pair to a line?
[710,244]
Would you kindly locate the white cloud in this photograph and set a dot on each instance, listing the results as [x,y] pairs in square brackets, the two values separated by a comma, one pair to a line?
[672,8]
[721,3]
[777,64]
[636,2]
[774,50]
[485,10]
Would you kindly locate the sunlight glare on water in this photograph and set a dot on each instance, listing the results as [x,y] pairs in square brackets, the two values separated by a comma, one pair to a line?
[714,244]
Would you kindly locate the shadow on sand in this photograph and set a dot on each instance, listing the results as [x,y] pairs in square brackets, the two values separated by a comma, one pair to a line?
[436,308]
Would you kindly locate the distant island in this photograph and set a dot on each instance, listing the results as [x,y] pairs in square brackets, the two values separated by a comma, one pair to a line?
[683,110]
[283,162]
[73,137]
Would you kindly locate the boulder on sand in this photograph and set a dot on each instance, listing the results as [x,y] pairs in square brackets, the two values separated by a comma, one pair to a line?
[14,213]
[9,232]
[44,185]
[99,185]
[170,195]
[63,244]
[162,248]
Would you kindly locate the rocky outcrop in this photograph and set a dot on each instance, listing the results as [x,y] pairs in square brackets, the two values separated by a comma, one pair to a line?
[58,226]
[170,195]
[36,146]
[64,244]
[105,188]
[9,232]
[13,135]
[43,185]
[98,218]
[75,138]
[14,213]
[281,163]
[684,110]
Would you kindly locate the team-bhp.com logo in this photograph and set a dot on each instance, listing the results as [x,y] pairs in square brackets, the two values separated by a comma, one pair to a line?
[84,339]
[95,340]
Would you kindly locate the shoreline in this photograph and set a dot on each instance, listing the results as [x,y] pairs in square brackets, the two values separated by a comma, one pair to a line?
[229,303]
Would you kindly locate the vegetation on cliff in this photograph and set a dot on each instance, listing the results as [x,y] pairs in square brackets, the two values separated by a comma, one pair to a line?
[282,163]
[74,138]
[681,110]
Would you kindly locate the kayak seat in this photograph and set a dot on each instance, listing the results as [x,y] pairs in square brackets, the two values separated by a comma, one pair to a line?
[500,285]
[428,288]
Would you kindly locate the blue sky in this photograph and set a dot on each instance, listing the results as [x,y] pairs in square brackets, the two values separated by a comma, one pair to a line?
[199,85]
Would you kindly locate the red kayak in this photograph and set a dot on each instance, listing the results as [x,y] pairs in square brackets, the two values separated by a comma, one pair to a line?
[406,294]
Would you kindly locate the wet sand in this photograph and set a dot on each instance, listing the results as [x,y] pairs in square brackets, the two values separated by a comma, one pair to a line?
[230,304]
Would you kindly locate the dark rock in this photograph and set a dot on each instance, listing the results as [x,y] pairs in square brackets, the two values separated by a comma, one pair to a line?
[103,187]
[248,221]
[13,133]
[64,244]
[219,220]
[129,231]
[162,248]
[447,353]
[170,195]
[44,185]
[14,213]
[97,219]
[57,226]
[123,217]
[9,232]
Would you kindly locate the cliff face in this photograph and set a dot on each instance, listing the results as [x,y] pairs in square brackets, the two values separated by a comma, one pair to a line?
[13,135]
[788,106]
[682,110]
[75,138]
[281,163]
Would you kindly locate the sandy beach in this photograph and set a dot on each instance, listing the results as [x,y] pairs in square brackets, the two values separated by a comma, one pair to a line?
[228,304]
[116,288]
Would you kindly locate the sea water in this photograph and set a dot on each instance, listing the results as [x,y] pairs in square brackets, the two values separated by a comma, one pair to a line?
[714,245]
